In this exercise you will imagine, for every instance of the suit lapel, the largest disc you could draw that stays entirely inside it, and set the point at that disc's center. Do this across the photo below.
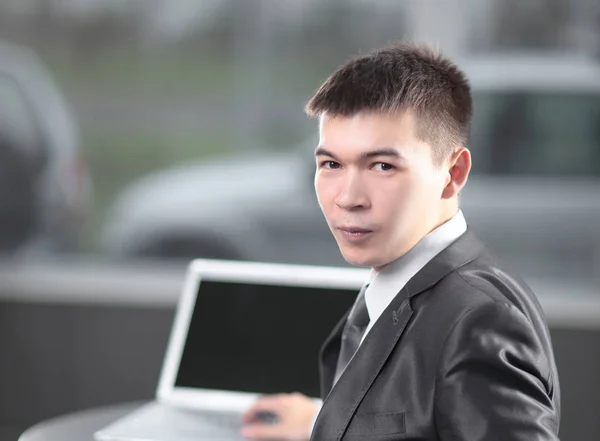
(348, 392)
(462, 251)
(343, 400)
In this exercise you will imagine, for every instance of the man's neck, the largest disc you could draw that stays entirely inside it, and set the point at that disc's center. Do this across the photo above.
(447, 216)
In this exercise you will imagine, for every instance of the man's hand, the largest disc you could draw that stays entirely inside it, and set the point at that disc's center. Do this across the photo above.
(294, 413)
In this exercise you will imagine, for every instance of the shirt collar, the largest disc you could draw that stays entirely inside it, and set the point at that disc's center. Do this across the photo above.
(386, 283)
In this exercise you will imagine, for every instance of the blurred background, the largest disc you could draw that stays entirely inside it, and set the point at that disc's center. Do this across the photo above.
(136, 135)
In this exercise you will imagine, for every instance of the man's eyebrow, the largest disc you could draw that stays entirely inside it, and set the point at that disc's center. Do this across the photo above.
(386, 151)
(321, 151)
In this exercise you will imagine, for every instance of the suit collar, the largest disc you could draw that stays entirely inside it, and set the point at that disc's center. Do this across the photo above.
(462, 251)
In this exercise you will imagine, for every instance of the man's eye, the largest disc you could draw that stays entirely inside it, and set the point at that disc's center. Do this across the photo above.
(330, 164)
(382, 166)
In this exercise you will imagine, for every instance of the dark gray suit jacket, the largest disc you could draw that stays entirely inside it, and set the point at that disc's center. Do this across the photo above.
(461, 353)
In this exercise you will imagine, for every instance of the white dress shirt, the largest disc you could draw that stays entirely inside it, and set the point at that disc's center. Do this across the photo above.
(386, 283)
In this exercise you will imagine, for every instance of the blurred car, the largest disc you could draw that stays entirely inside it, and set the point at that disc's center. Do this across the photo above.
(534, 193)
(45, 189)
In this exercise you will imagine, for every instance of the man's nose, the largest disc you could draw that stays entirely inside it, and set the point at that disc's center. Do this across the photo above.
(352, 193)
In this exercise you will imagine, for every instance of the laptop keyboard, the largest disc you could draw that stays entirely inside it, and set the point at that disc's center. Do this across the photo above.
(201, 423)
(224, 420)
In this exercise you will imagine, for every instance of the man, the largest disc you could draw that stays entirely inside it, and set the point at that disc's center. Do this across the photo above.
(443, 343)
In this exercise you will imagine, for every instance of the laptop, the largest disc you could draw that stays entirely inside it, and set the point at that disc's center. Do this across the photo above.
(241, 330)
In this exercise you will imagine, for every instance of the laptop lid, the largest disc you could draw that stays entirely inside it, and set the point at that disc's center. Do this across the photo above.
(245, 329)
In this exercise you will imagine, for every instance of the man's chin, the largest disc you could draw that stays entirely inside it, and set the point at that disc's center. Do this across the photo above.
(355, 259)
(363, 258)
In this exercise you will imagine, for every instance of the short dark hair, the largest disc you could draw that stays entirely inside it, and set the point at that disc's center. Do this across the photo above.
(398, 78)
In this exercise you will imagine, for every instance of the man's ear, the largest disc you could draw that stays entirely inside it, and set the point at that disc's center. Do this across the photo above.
(458, 166)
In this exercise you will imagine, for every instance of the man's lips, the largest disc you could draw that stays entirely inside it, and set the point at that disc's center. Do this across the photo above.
(354, 230)
(354, 234)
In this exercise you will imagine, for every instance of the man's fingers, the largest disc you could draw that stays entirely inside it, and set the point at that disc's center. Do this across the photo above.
(270, 403)
(293, 413)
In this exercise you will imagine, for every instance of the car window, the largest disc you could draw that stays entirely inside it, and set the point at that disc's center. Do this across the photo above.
(530, 133)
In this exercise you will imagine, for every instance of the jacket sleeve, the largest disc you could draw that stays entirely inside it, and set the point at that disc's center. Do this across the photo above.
(494, 381)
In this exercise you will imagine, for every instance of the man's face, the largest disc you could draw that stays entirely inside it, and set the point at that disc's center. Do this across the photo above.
(377, 185)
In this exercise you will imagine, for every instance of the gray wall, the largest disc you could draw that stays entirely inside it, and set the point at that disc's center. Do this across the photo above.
(61, 358)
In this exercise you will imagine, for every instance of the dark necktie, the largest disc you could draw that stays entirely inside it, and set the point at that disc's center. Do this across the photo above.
(355, 327)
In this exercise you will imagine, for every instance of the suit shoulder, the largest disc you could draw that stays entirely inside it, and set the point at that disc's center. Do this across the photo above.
(486, 280)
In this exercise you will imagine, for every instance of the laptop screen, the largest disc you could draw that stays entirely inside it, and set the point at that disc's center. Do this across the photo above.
(259, 338)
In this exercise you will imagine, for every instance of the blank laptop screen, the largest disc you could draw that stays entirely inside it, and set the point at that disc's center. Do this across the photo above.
(259, 338)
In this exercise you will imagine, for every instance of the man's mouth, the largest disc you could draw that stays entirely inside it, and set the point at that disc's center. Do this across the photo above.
(354, 234)
(355, 230)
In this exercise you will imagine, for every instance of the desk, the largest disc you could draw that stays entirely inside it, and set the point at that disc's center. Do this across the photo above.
(77, 426)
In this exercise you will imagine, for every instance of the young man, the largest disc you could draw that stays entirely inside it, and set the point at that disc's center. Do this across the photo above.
(443, 343)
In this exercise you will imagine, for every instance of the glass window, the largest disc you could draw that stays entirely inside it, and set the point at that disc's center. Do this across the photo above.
(161, 92)
(183, 133)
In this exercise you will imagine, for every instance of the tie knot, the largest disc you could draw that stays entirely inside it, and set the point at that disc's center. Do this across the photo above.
(359, 316)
